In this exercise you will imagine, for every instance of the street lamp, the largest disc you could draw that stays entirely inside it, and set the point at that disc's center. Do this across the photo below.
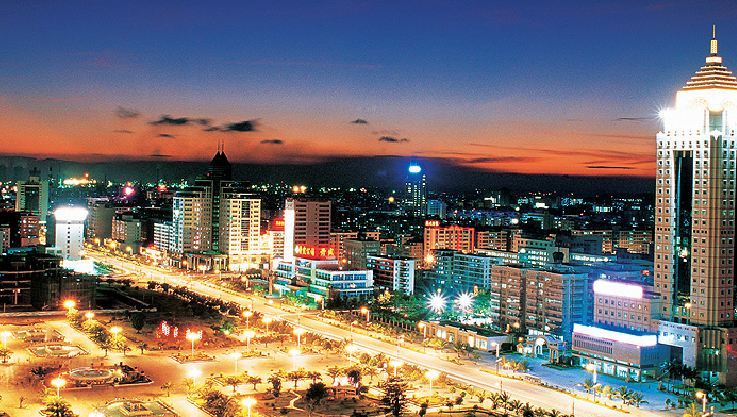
(248, 334)
(248, 403)
(267, 320)
(423, 326)
(299, 332)
(592, 368)
(235, 356)
(464, 301)
(701, 395)
(70, 304)
(5, 335)
(354, 322)
(367, 312)
(115, 331)
(58, 383)
(89, 315)
(294, 353)
(193, 374)
(247, 315)
(350, 348)
(320, 299)
(192, 336)
(436, 303)
(396, 363)
(431, 376)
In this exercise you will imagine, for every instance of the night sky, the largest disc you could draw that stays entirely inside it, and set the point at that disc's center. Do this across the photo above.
(564, 87)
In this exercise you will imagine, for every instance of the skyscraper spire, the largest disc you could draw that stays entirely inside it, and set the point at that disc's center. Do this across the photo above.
(714, 46)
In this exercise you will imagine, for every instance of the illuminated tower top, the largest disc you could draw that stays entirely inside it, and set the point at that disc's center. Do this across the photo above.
(713, 74)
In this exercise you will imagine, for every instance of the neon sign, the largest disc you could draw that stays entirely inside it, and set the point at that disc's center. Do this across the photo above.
(318, 252)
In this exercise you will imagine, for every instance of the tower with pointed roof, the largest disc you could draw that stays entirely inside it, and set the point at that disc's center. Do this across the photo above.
(695, 221)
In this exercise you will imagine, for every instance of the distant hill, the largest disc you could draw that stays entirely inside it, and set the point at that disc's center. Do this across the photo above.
(384, 171)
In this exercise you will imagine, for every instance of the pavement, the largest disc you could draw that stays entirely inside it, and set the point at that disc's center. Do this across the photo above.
(473, 375)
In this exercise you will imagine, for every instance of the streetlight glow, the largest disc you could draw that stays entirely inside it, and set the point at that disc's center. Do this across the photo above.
(58, 383)
(436, 303)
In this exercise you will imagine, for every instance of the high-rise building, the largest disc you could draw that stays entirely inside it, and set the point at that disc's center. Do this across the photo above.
(695, 214)
(33, 196)
(358, 250)
(100, 221)
(416, 186)
(70, 231)
(127, 231)
(306, 225)
(436, 208)
(447, 237)
(393, 273)
(240, 230)
(192, 220)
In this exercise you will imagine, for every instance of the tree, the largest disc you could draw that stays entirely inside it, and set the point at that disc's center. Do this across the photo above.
(296, 376)
(514, 405)
(142, 346)
(253, 380)
(394, 389)
(333, 372)
(527, 410)
(370, 372)
(354, 376)
(233, 381)
(636, 398)
(316, 392)
(588, 385)
(423, 409)
(606, 391)
(5, 354)
(138, 321)
(40, 372)
(166, 386)
(313, 375)
(275, 382)
(56, 407)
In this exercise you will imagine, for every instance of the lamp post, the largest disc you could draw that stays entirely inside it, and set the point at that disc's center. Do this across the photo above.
(431, 376)
(350, 348)
(592, 368)
(192, 336)
(115, 331)
(193, 374)
(248, 335)
(248, 403)
(352, 323)
(294, 353)
(247, 315)
(58, 383)
(5, 335)
(367, 312)
(396, 363)
(423, 326)
(267, 320)
(235, 356)
(299, 332)
(701, 395)
(70, 305)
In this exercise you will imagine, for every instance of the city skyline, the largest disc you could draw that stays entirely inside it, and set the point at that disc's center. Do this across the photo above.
(297, 84)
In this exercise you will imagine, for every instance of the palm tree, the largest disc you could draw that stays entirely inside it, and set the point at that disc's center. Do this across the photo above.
(5, 354)
(514, 405)
(316, 392)
(58, 408)
(142, 346)
(637, 398)
(254, 380)
(370, 372)
(588, 385)
(527, 410)
(334, 372)
(233, 381)
(606, 391)
(623, 394)
(553, 413)
(166, 386)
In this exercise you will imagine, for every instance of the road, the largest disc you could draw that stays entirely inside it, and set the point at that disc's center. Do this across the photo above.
(521, 390)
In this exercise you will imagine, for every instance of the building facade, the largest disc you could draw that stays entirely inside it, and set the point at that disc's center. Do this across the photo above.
(306, 224)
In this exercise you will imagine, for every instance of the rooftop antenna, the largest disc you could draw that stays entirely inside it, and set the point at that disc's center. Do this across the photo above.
(714, 45)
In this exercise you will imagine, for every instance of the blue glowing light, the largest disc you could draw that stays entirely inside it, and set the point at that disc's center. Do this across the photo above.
(415, 169)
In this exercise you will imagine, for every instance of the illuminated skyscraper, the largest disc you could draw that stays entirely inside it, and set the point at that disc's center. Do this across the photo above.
(70, 231)
(695, 214)
(306, 225)
(416, 185)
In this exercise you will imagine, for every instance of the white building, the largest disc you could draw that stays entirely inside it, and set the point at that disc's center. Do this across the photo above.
(163, 236)
(192, 220)
(695, 215)
(240, 231)
(306, 224)
(393, 273)
(70, 231)
(320, 279)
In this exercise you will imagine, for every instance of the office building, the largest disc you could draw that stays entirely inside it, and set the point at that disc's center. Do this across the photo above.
(33, 196)
(240, 230)
(69, 231)
(306, 225)
(456, 272)
(192, 220)
(357, 252)
(100, 220)
(447, 237)
(392, 273)
(416, 191)
(322, 279)
(436, 208)
(694, 218)
(163, 236)
(337, 242)
(126, 229)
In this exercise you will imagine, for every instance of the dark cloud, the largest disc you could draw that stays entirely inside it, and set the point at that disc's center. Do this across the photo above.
(497, 159)
(360, 121)
(160, 155)
(126, 113)
(167, 120)
(272, 142)
(607, 167)
(211, 129)
(123, 131)
(242, 126)
(166, 135)
(632, 119)
(392, 139)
